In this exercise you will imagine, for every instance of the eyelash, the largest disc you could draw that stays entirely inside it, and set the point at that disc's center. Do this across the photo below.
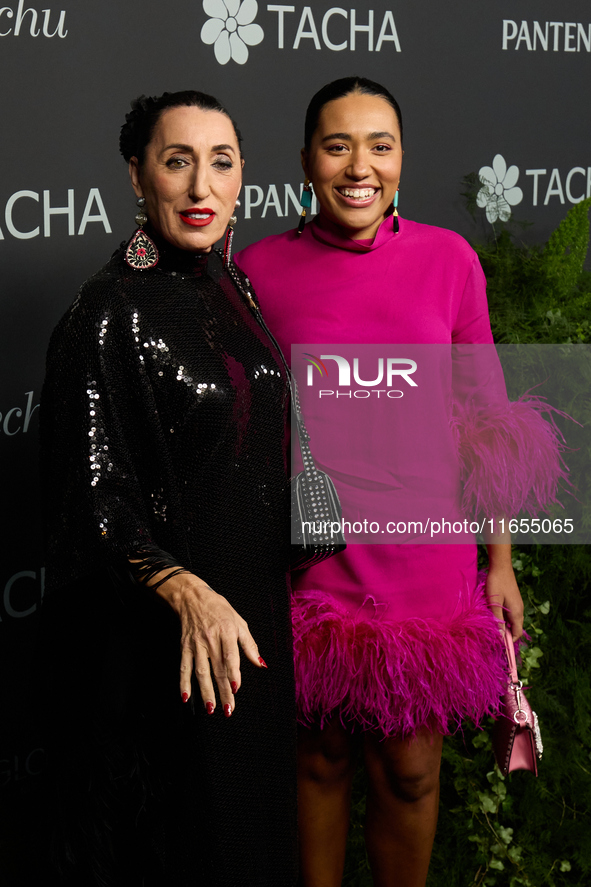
(335, 148)
(223, 164)
(173, 160)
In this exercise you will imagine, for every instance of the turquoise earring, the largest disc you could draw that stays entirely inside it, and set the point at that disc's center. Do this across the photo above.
(306, 204)
(395, 225)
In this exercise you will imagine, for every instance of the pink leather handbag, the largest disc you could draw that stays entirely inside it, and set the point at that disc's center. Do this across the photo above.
(517, 743)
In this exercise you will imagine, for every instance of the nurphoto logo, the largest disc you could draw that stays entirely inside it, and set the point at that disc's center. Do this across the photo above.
(396, 369)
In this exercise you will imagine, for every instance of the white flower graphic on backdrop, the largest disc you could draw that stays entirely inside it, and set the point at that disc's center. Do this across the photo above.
(230, 28)
(498, 192)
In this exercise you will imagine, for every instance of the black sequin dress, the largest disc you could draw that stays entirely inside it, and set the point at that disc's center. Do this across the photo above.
(164, 432)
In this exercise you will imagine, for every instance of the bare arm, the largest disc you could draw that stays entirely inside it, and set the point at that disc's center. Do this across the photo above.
(502, 590)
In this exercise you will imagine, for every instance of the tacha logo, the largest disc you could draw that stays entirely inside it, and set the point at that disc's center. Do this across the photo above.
(24, 208)
(231, 28)
(499, 190)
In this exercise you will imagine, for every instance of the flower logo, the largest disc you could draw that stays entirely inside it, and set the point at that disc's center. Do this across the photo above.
(498, 192)
(230, 28)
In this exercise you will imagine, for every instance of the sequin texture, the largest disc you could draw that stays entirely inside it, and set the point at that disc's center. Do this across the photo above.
(184, 399)
(164, 437)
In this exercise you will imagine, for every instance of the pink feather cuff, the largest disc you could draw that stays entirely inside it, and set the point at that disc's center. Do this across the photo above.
(510, 457)
(396, 677)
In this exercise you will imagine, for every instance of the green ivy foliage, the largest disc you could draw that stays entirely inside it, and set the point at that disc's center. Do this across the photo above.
(537, 294)
(504, 832)
(521, 830)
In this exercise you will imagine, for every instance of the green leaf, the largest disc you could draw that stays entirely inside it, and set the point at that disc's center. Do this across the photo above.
(565, 866)
(530, 657)
(505, 834)
(487, 804)
(514, 853)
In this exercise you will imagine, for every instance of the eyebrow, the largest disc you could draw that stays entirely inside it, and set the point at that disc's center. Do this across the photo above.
(189, 150)
(348, 137)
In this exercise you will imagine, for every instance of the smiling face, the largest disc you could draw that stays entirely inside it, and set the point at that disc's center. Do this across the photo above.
(354, 162)
(191, 177)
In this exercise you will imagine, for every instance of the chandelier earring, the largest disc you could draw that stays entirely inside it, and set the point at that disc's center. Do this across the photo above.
(395, 225)
(141, 253)
(306, 203)
(230, 236)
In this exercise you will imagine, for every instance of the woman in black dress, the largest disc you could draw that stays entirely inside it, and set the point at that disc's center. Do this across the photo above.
(164, 464)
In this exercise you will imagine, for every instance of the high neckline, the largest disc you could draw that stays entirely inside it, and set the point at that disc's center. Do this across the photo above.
(173, 260)
(334, 235)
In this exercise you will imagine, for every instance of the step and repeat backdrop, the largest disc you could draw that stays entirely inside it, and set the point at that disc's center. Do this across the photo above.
(502, 87)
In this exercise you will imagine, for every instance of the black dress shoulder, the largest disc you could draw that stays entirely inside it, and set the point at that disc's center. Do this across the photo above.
(163, 429)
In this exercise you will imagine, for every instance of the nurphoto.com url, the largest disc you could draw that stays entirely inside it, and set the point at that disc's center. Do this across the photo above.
(434, 528)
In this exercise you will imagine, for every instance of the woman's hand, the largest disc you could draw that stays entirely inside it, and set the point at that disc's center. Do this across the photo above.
(211, 630)
(504, 597)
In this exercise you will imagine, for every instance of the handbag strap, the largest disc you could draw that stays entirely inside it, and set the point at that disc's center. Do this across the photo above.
(523, 714)
(510, 650)
(303, 436)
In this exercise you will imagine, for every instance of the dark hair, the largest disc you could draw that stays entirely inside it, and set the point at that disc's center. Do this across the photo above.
(338, 89)
(137, 131)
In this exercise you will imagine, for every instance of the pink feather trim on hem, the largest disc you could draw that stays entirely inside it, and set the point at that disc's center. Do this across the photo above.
(510, 457)
(396, 677)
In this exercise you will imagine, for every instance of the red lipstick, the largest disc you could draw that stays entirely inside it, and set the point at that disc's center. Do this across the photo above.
(197, 216)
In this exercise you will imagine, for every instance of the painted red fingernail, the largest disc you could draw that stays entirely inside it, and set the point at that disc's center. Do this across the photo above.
(263, 663)
(234, 687)
(227, 710)
(209, 708)
(185, 697)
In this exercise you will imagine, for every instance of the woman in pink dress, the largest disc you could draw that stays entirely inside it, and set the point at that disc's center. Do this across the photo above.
(393, 643)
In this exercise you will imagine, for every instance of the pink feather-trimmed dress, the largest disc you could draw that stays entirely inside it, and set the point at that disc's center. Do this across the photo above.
(398, 637)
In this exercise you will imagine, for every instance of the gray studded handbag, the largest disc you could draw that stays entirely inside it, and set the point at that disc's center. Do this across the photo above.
(316, 514)
(316, 525)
